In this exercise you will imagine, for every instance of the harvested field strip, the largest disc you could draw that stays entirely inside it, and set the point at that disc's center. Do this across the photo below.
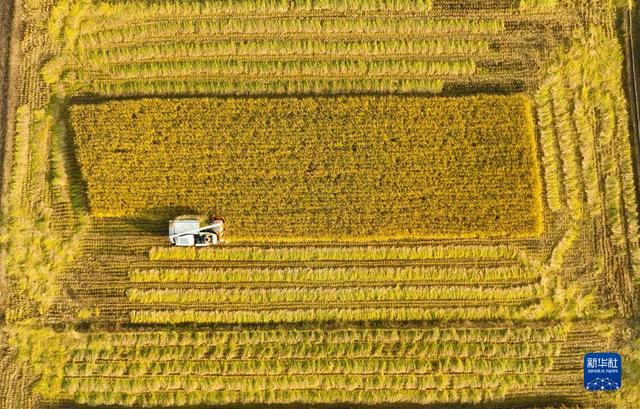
(177, 47)
(550, 150)
(283, 382)
(567, 125)
(413, 62)
(123, 13)
(105, 22)
(329, 366)
(246, 277)
(297, 312)
(581, 126)
(289, 41)
(272, 48)
(328, 84)
(204, 86)
(252, 80)
(307, 310)
(135, 12)
(353, 349)
(587, 106)
(349, 254)
(102, 23)
(132, 13)
(568, 143)
(299, 352)
(123, 263)
(346, 253)
(501, 334)
(335, 305)
(586, 119)
(277, 68)
(498, 45)
(320, 295)
(439, 365)
(481, 60)
(329, 284)
(483, 180)
(300, 25)
(317, 392)
(353, 314)
(93, 22)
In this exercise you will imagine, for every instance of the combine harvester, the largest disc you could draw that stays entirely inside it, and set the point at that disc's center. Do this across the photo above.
(185, 231)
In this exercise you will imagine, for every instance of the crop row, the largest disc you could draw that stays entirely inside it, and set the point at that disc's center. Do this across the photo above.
(327, 366)
(226, 298)
(336, 276)
(286, 395)
(273, 28)
(281, 337)
(306, 349)
(216, 69)
(299, 313)
(293, 48)
(351, 253)
(265, 86)
(273, 383)
(560, 140)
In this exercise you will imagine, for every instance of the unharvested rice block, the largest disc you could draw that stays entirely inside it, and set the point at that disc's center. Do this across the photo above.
(317, 168)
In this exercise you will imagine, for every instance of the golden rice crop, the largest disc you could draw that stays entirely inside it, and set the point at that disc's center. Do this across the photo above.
(341, 167)
(140, 48)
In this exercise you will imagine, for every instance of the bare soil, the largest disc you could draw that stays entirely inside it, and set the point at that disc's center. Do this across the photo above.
(6, 17)
(8, 47)
(631, 24)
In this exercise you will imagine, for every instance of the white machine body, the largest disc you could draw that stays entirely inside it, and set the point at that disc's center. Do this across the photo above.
(189, 233)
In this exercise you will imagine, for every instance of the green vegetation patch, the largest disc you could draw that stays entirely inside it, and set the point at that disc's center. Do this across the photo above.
(298, 168)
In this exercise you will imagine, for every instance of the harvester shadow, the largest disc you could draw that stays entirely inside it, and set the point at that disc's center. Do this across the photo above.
(154, 220)
(77, 184)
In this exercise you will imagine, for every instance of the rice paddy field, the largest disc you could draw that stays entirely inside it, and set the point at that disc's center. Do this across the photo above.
(427, 204)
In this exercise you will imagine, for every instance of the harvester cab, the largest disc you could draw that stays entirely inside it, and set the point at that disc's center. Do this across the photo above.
(187, 232)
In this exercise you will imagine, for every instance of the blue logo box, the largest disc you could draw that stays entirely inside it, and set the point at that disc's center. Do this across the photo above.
(602, 371)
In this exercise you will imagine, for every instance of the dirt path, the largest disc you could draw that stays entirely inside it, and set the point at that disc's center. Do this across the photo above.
(9, 36)
(631, 23)
(631, 37)
(6, 17)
